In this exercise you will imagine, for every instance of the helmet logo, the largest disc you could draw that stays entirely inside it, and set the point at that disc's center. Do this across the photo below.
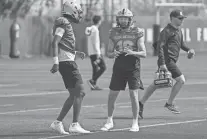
(123, 11)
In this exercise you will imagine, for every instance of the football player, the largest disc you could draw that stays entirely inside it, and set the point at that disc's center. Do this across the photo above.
(126, 45)
(64, 60)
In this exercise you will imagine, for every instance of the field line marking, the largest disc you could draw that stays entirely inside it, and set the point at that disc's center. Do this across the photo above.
(97, 105)
(144, 126)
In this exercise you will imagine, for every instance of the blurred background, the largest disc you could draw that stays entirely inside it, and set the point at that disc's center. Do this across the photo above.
(33, 20)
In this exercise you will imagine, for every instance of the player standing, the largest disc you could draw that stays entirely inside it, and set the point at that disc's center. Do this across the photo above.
(64, 60)
(126, 45)
(169, 45)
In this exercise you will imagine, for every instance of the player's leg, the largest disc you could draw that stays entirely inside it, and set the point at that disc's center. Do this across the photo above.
(102, 68)
(180, 80)
(76, 89)
(111, 106)
(99, 67)
(134, 83)
(66, 107)
(65, 71)
(92, 82)
(117, 83)
(79, 94)
(135, 109)
(149, 91)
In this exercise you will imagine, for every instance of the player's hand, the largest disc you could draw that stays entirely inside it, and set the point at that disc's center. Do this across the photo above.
(80, 54)
(191, 53)
(55, 68)
(128, 51)
(163, 68)
(116, 54)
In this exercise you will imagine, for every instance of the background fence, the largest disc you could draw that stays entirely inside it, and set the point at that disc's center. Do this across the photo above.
(36, 34)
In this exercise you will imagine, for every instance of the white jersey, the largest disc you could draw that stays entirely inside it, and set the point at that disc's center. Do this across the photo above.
(93, 40)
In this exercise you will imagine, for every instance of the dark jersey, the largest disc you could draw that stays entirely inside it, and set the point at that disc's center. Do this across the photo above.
(67, 42)
(169, 45)
(126, 39)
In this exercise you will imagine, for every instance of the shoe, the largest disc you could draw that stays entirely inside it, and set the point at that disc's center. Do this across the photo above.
(58, 126)
(141, 108)
(134, 128)
(91, 84)
(96, 88)
(76, 128)
(172, 108)
(107, 126)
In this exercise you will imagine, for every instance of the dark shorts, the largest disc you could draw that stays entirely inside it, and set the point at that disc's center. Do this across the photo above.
(120, 78)
(70, 74)
(173, 68)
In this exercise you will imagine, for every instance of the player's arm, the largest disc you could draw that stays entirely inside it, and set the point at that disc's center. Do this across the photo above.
(161, 44)
(141, 48)
(111, 52)
(59, 32)
(183, 45)
(190, 52)
(110, 49)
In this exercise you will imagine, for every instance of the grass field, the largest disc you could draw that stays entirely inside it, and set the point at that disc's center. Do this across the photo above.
(31, 98)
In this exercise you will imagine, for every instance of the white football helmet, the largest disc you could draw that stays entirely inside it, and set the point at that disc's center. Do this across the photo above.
(72, 9)
(124, 13)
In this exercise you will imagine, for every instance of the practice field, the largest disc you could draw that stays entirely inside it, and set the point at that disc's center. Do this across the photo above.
(31, 98)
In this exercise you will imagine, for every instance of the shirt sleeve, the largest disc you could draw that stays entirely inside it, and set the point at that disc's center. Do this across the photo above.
(59, 31)
(183, 45)
(161, 44)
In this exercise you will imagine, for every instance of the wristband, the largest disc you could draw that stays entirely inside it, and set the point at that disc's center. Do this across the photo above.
(55, 60)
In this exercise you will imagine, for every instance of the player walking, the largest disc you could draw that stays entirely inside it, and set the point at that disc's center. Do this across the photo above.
(64, 60)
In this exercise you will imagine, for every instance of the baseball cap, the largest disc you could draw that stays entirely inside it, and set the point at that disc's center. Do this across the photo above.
(177, 13)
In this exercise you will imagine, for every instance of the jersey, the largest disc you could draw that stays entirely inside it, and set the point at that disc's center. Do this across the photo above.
(93, 40)
(126, 39)
(67, 42)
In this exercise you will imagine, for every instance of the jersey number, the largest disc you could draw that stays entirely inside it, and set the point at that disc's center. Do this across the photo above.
(124, 44)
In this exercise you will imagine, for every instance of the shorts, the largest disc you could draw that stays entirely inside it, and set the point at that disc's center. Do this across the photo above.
(120, 78)
(70, 74)
(173, 68)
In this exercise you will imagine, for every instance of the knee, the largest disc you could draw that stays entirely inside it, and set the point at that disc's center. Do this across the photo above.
(103, 68)
(133, 93)
(181, 79)
(113, 95)
(78, 91)
(80, 94)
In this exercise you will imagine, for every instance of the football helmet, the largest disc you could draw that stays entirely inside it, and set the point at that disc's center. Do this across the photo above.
(73, 10)
(124, 13)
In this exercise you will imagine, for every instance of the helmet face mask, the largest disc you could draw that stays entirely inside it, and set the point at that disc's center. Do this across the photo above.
(73, 11)
(124, 22)
(124, 18)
